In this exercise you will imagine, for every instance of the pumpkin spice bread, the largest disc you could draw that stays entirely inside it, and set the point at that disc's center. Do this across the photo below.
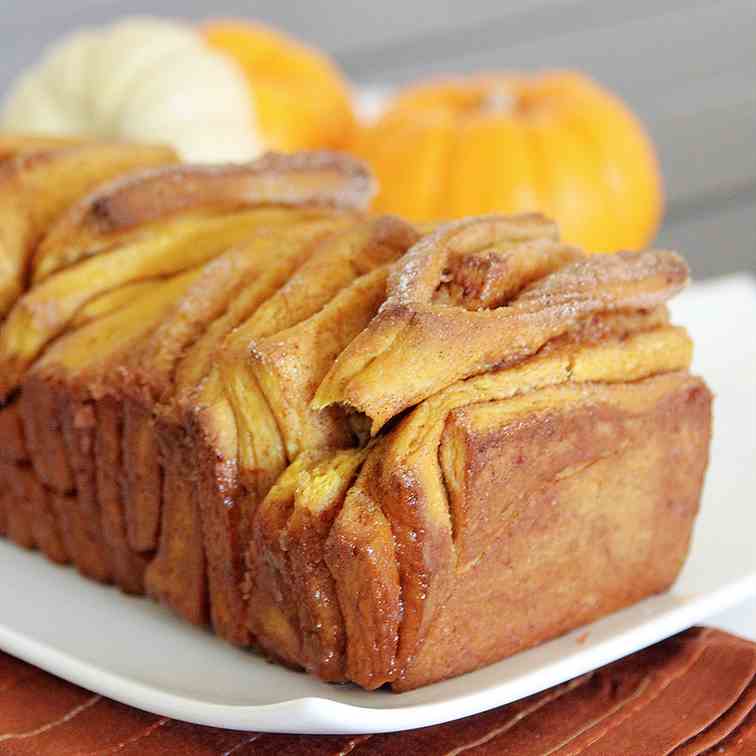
(353, 443)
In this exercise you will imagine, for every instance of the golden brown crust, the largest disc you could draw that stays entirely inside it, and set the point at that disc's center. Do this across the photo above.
(16, 510)
(127, 564)
(275, 261)
(60, 404)
(157, 224)
(176, 574)
(324, 179)
(524, 489)
(142, 477)
(341, 283)
(169, 367)
(406, 484)
(178, 246)
(14, 145)
(416, 346)
(224, 517)
(79, 426)
(272, 608)
(12, 440)
(183, 345)
(306, 180)
(261, 263)
(34, 501)
(293, 611)
(202, 359)
(290, 365)
(40, 405)
(361, 557)
(241, 431)
(36, 186)
(478, 263)
(104, 359)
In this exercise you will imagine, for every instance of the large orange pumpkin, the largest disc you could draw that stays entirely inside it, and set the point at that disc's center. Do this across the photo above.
(555, 142)
(301, 99)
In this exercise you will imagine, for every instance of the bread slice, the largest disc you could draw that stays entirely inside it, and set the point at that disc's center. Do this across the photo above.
(423, 340)
(27, 513)
(240, 427)
(60, 404)
(614, 473)
(39, 185)
(162, 463)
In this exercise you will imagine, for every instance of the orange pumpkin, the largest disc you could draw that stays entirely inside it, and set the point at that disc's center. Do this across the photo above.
(301, 99)
(555, 142)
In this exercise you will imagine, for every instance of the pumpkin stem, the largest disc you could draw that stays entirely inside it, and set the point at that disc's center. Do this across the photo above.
(499, 100)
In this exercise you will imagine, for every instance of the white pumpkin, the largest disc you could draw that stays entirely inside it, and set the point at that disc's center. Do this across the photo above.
(143, 79)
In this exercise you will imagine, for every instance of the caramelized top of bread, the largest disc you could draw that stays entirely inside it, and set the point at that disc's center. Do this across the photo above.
(38, 185)
(156, 224)
(270, 366)
(89, 351)
(309, 325)
(104, 218)
(440, 323)
(13, 145)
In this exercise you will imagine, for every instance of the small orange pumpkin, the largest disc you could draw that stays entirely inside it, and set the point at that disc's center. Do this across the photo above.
(302, 100)
(555, 142)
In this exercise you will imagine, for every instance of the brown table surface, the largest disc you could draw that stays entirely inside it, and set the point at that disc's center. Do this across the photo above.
(694, 693)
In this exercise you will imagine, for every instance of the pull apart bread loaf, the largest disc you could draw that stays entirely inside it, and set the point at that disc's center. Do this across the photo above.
(382, 453)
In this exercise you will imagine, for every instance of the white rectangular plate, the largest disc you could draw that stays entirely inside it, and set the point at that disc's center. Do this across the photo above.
(133, 651)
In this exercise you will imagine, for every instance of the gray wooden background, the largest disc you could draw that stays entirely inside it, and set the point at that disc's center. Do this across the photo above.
(688, 68)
